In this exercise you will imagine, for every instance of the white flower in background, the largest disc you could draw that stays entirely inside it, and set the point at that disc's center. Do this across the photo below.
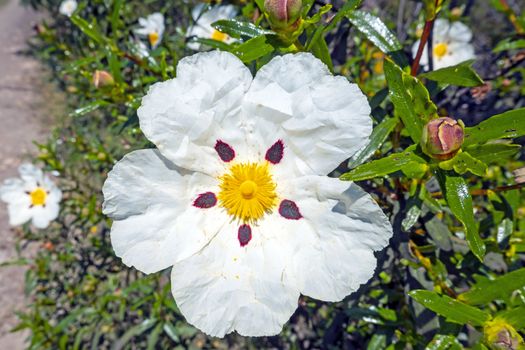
(33, 196)
(202, 27)
(152, 27)
(236, 196)
(450, 45)
(67, 7)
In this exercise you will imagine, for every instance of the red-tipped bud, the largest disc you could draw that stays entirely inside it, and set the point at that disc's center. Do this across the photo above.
(282, 14)
(101, 78)
(442, 138)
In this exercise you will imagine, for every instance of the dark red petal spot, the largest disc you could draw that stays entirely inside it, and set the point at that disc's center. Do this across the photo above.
(244, 234)
(274, 154)
(225, 151)
(205, 200)
(289, 210)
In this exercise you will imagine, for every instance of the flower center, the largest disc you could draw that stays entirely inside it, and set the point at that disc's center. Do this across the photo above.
(440, 49)
(38, 196)
(216, 35)
(247, 192)
(153, 38)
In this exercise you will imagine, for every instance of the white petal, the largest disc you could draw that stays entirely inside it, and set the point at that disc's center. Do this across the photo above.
(12, 190)
(335, 256)
(30, 173)
(460, 32)
(440, 30)
(19, 213)
(185, 116)
(42, 216)
(322, 119)
(151, 201)
(226, 287)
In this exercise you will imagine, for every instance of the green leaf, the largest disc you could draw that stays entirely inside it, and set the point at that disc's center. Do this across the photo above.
(379, 135)
(236, 28)
(510, 124)
(153, 337)
(451, 309)
(215, 44)
(456, 193)
(493, 152)
(90, 107)
(384, 166)
(253, 49)
(410, 98)
(460, 75)
(489, 290)
(90, 29)
(444, 342)
(510, 44)
(464, 162)
(133, 332)
(516, 317)
(378, 342)
(378, 33)
(320, 50)
(171, 331)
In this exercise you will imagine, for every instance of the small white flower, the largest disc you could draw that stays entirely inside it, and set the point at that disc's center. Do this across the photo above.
(152, 27)
(67, 7)
(236, 196)
(202, 27)
(450, 43)
(32, 196)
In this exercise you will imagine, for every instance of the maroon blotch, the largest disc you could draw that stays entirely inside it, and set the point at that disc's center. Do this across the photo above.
(205, 200)
(225, 151)
(274, 154)
(244, 234)
(289, 210)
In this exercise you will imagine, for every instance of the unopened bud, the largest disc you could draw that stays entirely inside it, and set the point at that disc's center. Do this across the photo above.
(519, 175)
(500, 335)
(283, 14)
(442, 138)
(102, 78)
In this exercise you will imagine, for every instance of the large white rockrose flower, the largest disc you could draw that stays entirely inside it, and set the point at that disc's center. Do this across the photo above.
(67, 7)
(33, 196)
(152, 27)
(450, 45)
(202, 27)
(236, 197)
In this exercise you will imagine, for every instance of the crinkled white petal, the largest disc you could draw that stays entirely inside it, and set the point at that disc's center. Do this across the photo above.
(151, 201)
(12, 190)
(459, 32)
(322, 119)
(185, 116)
(226, 287)
(19, 213)
(342, 226)
(67, 7)
(43, 215)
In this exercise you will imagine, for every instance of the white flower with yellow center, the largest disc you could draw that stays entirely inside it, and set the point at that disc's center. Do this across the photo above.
(152, 27)
(67, 7)
(450, 45)
(236, 197)
(202, 27)
(33, 196)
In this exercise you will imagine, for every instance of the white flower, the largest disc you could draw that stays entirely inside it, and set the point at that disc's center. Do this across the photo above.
(450, 43)
(236, 198)
(152, 27)
(32, 196)
(202, 27)
(67, 7)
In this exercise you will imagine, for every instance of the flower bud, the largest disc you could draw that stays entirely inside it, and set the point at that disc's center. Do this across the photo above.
(442, 138)
(102, 78)
(500, 335)
(282, 14)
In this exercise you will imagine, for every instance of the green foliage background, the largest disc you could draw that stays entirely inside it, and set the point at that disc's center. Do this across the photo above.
(460, 256)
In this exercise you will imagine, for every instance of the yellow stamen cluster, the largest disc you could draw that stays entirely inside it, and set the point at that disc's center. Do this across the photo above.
(216, 35)
(440, 50)
(247, 192)
(38, 196)
(153, 38)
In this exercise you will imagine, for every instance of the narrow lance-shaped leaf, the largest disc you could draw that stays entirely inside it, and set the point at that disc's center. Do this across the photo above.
(516, 317)
(410, 98)
(453, 310)
(493, 152)
(458, 198)
(499, 288)
(236, 29)
(253, 48)
(384, 166)
(460, 75)
(510, 124)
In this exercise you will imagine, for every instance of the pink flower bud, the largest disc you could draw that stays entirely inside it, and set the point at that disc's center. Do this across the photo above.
(442, 138)
(282, 14)
(102, 78)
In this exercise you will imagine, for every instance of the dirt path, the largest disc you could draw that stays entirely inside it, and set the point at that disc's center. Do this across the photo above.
(21, 120)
